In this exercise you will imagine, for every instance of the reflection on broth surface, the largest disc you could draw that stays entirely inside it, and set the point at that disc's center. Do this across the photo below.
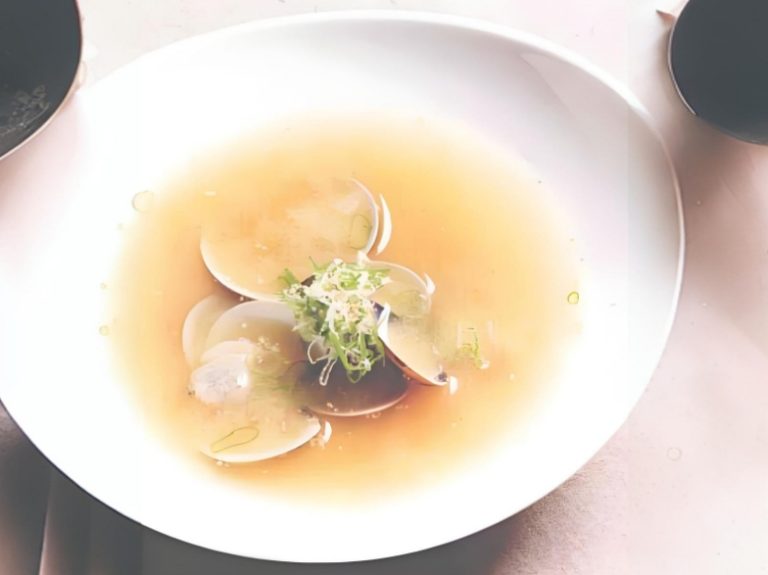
(465, 217)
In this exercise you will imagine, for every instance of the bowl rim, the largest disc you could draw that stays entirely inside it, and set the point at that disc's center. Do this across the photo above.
(459, 23)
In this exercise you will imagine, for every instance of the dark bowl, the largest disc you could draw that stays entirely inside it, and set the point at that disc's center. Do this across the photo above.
(40, 46)
(718, 56)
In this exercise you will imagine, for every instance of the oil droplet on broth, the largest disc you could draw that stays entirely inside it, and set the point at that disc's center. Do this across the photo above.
(143, 201)
(103, 286)
(573, 298)
(104, 330)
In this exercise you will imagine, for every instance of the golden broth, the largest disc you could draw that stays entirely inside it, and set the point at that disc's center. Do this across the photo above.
(472, 218)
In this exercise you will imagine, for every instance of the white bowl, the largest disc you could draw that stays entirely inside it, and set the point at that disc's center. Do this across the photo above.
(62, 195)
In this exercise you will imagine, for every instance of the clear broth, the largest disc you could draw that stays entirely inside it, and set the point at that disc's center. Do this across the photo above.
(472, 217)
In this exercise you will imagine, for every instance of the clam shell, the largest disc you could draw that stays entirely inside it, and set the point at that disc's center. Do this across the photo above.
(255, 418)
(225, 380)
(198, 323)
(254, 321)
(404, 305)
(339, 219)
(267, 430)
(382, 388)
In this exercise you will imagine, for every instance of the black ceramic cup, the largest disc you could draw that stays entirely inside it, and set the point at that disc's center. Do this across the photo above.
(718, 56)
(40, 46)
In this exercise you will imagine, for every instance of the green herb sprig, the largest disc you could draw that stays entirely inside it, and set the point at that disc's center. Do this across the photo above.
(469, 349)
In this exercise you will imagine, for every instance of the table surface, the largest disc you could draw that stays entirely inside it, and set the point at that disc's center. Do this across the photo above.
(681, 488)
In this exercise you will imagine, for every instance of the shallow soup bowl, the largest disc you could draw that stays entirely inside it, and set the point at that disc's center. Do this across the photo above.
(586, 136)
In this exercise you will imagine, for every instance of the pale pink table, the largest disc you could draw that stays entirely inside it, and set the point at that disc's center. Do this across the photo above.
(682, 488)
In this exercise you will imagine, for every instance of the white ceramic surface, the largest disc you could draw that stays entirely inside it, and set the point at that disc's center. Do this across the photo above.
(586, 137)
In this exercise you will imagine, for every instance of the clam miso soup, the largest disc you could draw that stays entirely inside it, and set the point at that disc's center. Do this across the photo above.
(341, 308)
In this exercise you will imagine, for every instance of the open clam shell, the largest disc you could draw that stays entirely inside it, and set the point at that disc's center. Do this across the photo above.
(263, 323)
(247, 380)
(404, 326)
(224, 380)
(380, 389)
(407, 294)
(331, 218)
(411, 348)
(198, 323)
(264, 430)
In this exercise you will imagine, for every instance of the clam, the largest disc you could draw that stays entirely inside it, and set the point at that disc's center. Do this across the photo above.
(199, 321)
(410, 346)
(247, 380)
(264, 429)
(240, 346)
(405, 327)
(404, 296)
(385, 234)
(225, 380)
(328, 218)
(406, 293)
(268, 325)
(380, 389)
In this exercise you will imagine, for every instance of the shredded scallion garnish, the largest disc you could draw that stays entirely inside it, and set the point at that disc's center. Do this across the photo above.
(336, 317)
